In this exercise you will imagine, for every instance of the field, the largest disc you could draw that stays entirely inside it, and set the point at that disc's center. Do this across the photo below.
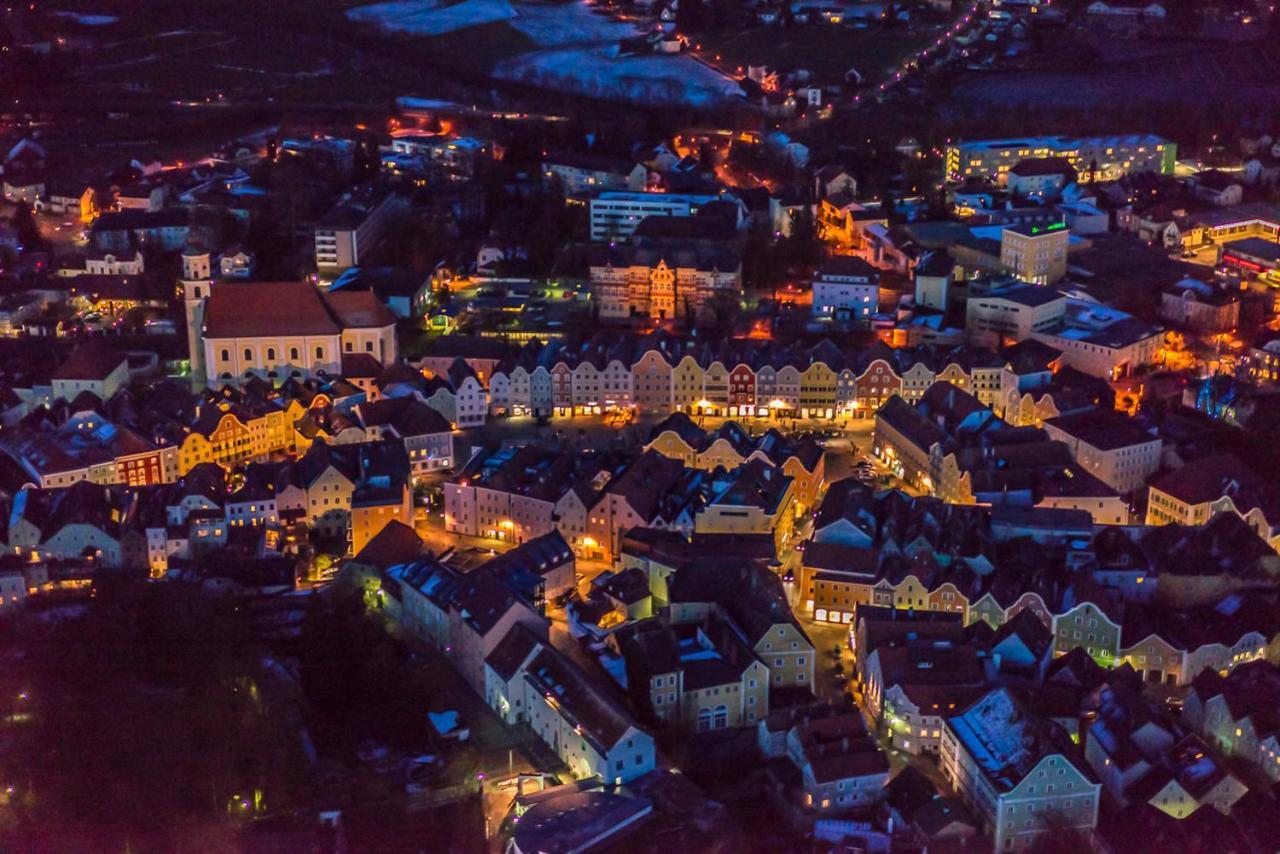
(565, 47)
(1179, 73)
(827, 52)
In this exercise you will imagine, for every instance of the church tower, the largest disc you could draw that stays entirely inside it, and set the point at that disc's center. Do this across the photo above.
(197, 281)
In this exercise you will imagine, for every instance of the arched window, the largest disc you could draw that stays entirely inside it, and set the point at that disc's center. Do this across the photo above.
(226, 355)
(319, 352)
(271, 354)
(293, 354)
(722, 717)
(704, 720)
(248, 354)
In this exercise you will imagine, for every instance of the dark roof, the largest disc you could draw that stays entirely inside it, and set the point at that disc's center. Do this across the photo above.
(395, 543)
(848, 265)
(258, 309)
(1104, 429)
(512, 651)
(603, 720)
(1209, 479)
(93, 360)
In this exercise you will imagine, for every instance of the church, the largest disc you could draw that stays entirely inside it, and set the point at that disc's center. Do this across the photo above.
(276, 330)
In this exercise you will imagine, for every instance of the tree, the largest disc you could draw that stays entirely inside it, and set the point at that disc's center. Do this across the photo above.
(24, 223)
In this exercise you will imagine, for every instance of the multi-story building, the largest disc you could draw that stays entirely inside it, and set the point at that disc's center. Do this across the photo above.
(584, 173)
(1035, 253)
(1013, 312)
(1110, 446)
(698, 677)
(663, 280)
(1201, 489)
(1018, 773)
(615, 215)
(1101, 341)
(274, 330)
(1099, 158)
(345, 235)
(846, 288)
(1237, 713)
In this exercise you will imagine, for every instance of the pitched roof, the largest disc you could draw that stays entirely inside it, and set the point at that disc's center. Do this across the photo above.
(93, 360)
(262, 309)
(395, 543)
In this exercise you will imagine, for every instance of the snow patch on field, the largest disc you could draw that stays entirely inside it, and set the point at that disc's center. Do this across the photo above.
(88, 20)
(432, 18)
(549, 25)
(600, 73)
(579, 50)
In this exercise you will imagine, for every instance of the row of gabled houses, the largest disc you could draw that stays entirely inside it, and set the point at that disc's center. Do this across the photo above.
(594, 499)
(346, 493)
(657, 374)
(1169, 601)
(1032, 741)
(116, 438)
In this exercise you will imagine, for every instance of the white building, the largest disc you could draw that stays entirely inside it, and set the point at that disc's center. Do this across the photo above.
(275, 330)
(1101, 341)
(583, 173)
(1014, 311)
(527, 681)
(615, 215)
(1095, 158)
(1109, 446)
(846, 288)
(353, 227)
(1013, 771)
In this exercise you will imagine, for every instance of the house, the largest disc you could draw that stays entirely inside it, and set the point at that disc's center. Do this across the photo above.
(236, 263)
(1238, 713)
(592, 734)
(427, 436)
(105, 262)
(1008, 765)
(93, 367)
(464, 615)
(1217, 188)
(841, 766)
(1044, 177)
(23, 188)
(582, 173)
(752, 596)
(1199, 490)
(1126, 10)
(1200, 307)
(1110, 446)
(528, 682)
(82, 520)
(699, 677)
(122, 231)
(846, 288)
(912, 686)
